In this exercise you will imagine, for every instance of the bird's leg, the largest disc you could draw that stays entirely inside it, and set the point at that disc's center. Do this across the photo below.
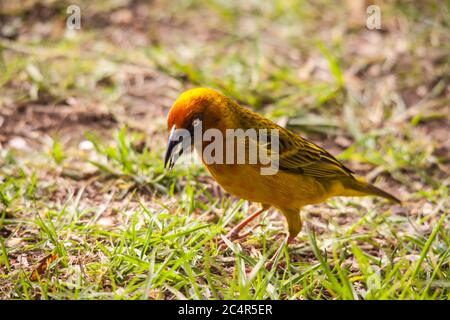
(294, 227)
(234, 233)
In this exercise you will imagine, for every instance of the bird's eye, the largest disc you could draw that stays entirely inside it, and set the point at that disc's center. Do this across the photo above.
(196, 122)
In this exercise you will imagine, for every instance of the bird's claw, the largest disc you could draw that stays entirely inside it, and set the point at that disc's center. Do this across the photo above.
(269, 264)
(234, 236)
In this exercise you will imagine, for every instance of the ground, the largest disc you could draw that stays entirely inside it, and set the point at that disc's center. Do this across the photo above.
(88, 212)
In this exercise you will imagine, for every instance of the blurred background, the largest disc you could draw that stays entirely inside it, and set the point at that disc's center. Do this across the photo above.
(85, 87)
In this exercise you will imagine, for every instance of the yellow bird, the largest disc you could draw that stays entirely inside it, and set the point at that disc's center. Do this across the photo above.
(307, 174)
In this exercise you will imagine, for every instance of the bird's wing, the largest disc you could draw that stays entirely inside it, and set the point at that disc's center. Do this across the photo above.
(296, 154)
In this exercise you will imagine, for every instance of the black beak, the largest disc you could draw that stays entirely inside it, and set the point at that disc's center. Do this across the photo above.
(173, 149)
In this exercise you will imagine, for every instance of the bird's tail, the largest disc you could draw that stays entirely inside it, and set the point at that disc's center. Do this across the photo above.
(358, 187)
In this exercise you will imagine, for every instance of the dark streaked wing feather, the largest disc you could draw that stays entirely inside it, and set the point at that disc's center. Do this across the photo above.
(297, 155)
(304, 157)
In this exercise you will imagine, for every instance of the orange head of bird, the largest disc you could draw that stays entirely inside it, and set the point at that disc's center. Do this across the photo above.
(194, 106)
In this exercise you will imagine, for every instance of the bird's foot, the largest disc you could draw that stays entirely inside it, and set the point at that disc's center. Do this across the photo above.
(274, 259)
(234, 236)
(269, 264)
